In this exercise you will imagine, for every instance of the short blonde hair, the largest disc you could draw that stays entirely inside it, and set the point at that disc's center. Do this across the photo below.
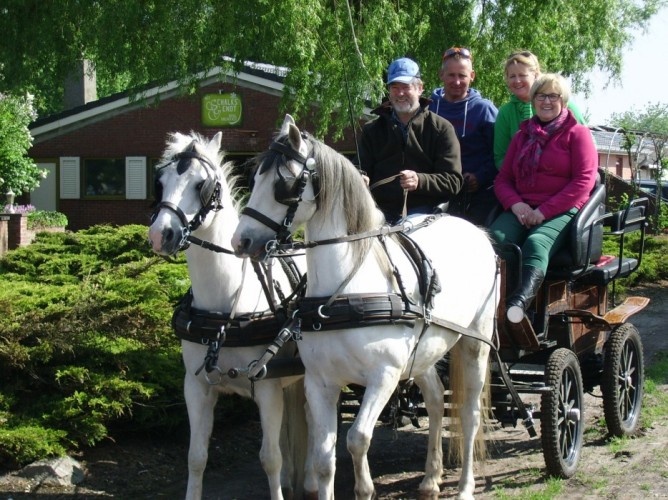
(555, 81)
(523, 57)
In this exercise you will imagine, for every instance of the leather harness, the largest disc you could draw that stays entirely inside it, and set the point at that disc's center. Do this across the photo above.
(203, 327)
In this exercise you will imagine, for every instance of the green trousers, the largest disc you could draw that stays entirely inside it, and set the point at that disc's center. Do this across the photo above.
(539, 243)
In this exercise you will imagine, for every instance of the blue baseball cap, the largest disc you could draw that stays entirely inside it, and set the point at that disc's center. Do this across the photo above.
(403, 70)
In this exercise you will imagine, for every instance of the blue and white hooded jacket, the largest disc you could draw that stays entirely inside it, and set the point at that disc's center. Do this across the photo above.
(473, 119)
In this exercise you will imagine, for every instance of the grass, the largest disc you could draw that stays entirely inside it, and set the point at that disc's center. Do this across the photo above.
(552, 488)
(618, 444)
(655, 409)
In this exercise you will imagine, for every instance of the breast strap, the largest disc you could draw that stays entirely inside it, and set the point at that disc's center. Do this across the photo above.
(356, 310)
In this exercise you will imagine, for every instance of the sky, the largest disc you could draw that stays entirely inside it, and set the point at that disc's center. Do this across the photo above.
(644, 77)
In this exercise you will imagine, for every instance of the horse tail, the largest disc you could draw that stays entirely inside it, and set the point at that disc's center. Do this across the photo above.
(459, 384)
(296, 430)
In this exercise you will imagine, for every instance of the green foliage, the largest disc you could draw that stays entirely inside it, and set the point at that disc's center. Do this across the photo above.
(17, 172)
(642, 129)
(40, 219)
(27, 443)
(85, 341)
(654, 265)
(334, 52)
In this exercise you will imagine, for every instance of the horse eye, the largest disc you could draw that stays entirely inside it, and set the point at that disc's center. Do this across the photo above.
(199, 186)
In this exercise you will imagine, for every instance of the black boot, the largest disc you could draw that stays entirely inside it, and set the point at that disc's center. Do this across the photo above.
(517, 304)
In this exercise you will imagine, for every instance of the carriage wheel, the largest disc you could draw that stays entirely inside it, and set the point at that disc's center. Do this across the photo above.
(622, 381)
(562, 414)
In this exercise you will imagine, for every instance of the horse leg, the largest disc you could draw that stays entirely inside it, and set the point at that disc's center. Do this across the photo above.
(376, 396)
(294, 442)
(200, 400)
(322, 422)
(269, 398)
(310, 474)
(469, 383)
(432, 392)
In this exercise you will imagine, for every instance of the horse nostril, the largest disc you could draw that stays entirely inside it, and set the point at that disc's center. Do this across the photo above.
(169, 235)
(244, 245)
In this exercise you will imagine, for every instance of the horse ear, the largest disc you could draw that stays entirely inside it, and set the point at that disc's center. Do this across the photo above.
(295, 137)
(217, 140)
(287, 121)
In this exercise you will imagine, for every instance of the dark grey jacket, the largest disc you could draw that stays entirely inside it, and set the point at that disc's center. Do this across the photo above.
(431, 149)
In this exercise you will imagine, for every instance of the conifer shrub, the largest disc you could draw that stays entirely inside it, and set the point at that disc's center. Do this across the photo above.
(86, 345)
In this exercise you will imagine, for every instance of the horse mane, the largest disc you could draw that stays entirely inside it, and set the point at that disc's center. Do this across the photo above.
(342, 186)
(178, 142)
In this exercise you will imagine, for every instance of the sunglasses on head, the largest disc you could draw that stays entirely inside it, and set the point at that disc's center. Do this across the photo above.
(457, 51)
(523, 53)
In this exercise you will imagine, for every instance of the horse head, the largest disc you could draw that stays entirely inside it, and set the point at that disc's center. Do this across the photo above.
(284, 192)
(190, 186)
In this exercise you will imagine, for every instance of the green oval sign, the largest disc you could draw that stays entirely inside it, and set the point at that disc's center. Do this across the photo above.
(221, 110)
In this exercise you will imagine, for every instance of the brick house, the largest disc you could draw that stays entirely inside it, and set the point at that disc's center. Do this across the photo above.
(101, 154)
(613, 158)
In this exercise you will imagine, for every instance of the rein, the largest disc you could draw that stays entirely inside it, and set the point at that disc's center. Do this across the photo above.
(386, 180)
(405, 227)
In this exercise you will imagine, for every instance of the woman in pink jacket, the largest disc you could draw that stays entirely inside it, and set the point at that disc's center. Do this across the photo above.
(546, 177)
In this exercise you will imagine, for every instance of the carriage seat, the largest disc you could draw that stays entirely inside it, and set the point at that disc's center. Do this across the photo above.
(585, 245)
(611, 267)
(583, 258)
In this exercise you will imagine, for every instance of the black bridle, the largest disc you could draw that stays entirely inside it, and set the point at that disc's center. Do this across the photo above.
(210, 197)
(286, 192)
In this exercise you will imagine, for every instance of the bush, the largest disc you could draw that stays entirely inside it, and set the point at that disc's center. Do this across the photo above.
(25, 444)
(41, 219)
(86, 345)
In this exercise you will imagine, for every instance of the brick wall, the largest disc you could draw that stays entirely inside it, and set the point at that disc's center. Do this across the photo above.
(143, 132)
(17, 231)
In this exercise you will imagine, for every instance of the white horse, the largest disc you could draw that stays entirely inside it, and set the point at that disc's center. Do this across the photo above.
(335, 205)
(196, 194)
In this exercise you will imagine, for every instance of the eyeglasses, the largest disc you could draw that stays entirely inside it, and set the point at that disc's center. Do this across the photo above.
(457, 51)
(549, 97)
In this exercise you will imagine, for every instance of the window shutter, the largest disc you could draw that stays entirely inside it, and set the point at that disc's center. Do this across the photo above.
(70, 172)
(135, 177)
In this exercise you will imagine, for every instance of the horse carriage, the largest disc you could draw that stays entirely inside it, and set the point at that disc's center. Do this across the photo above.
(385, 304)
(571, 341)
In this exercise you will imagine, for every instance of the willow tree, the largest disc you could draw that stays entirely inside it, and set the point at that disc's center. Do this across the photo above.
(336, 51)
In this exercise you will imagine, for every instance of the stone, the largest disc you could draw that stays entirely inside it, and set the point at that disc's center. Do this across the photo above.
(59, 471)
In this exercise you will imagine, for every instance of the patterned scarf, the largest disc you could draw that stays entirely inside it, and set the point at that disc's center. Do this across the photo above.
(539, 134)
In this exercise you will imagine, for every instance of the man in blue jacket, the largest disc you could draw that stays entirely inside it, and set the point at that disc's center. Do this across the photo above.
(473, 118)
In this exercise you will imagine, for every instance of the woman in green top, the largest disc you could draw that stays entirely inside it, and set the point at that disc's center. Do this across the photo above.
(521, 70)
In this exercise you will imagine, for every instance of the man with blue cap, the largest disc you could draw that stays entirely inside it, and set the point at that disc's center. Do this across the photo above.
(410, 155)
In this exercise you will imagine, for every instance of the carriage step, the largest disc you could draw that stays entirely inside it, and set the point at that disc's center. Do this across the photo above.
(626, 309)
(522, 335)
